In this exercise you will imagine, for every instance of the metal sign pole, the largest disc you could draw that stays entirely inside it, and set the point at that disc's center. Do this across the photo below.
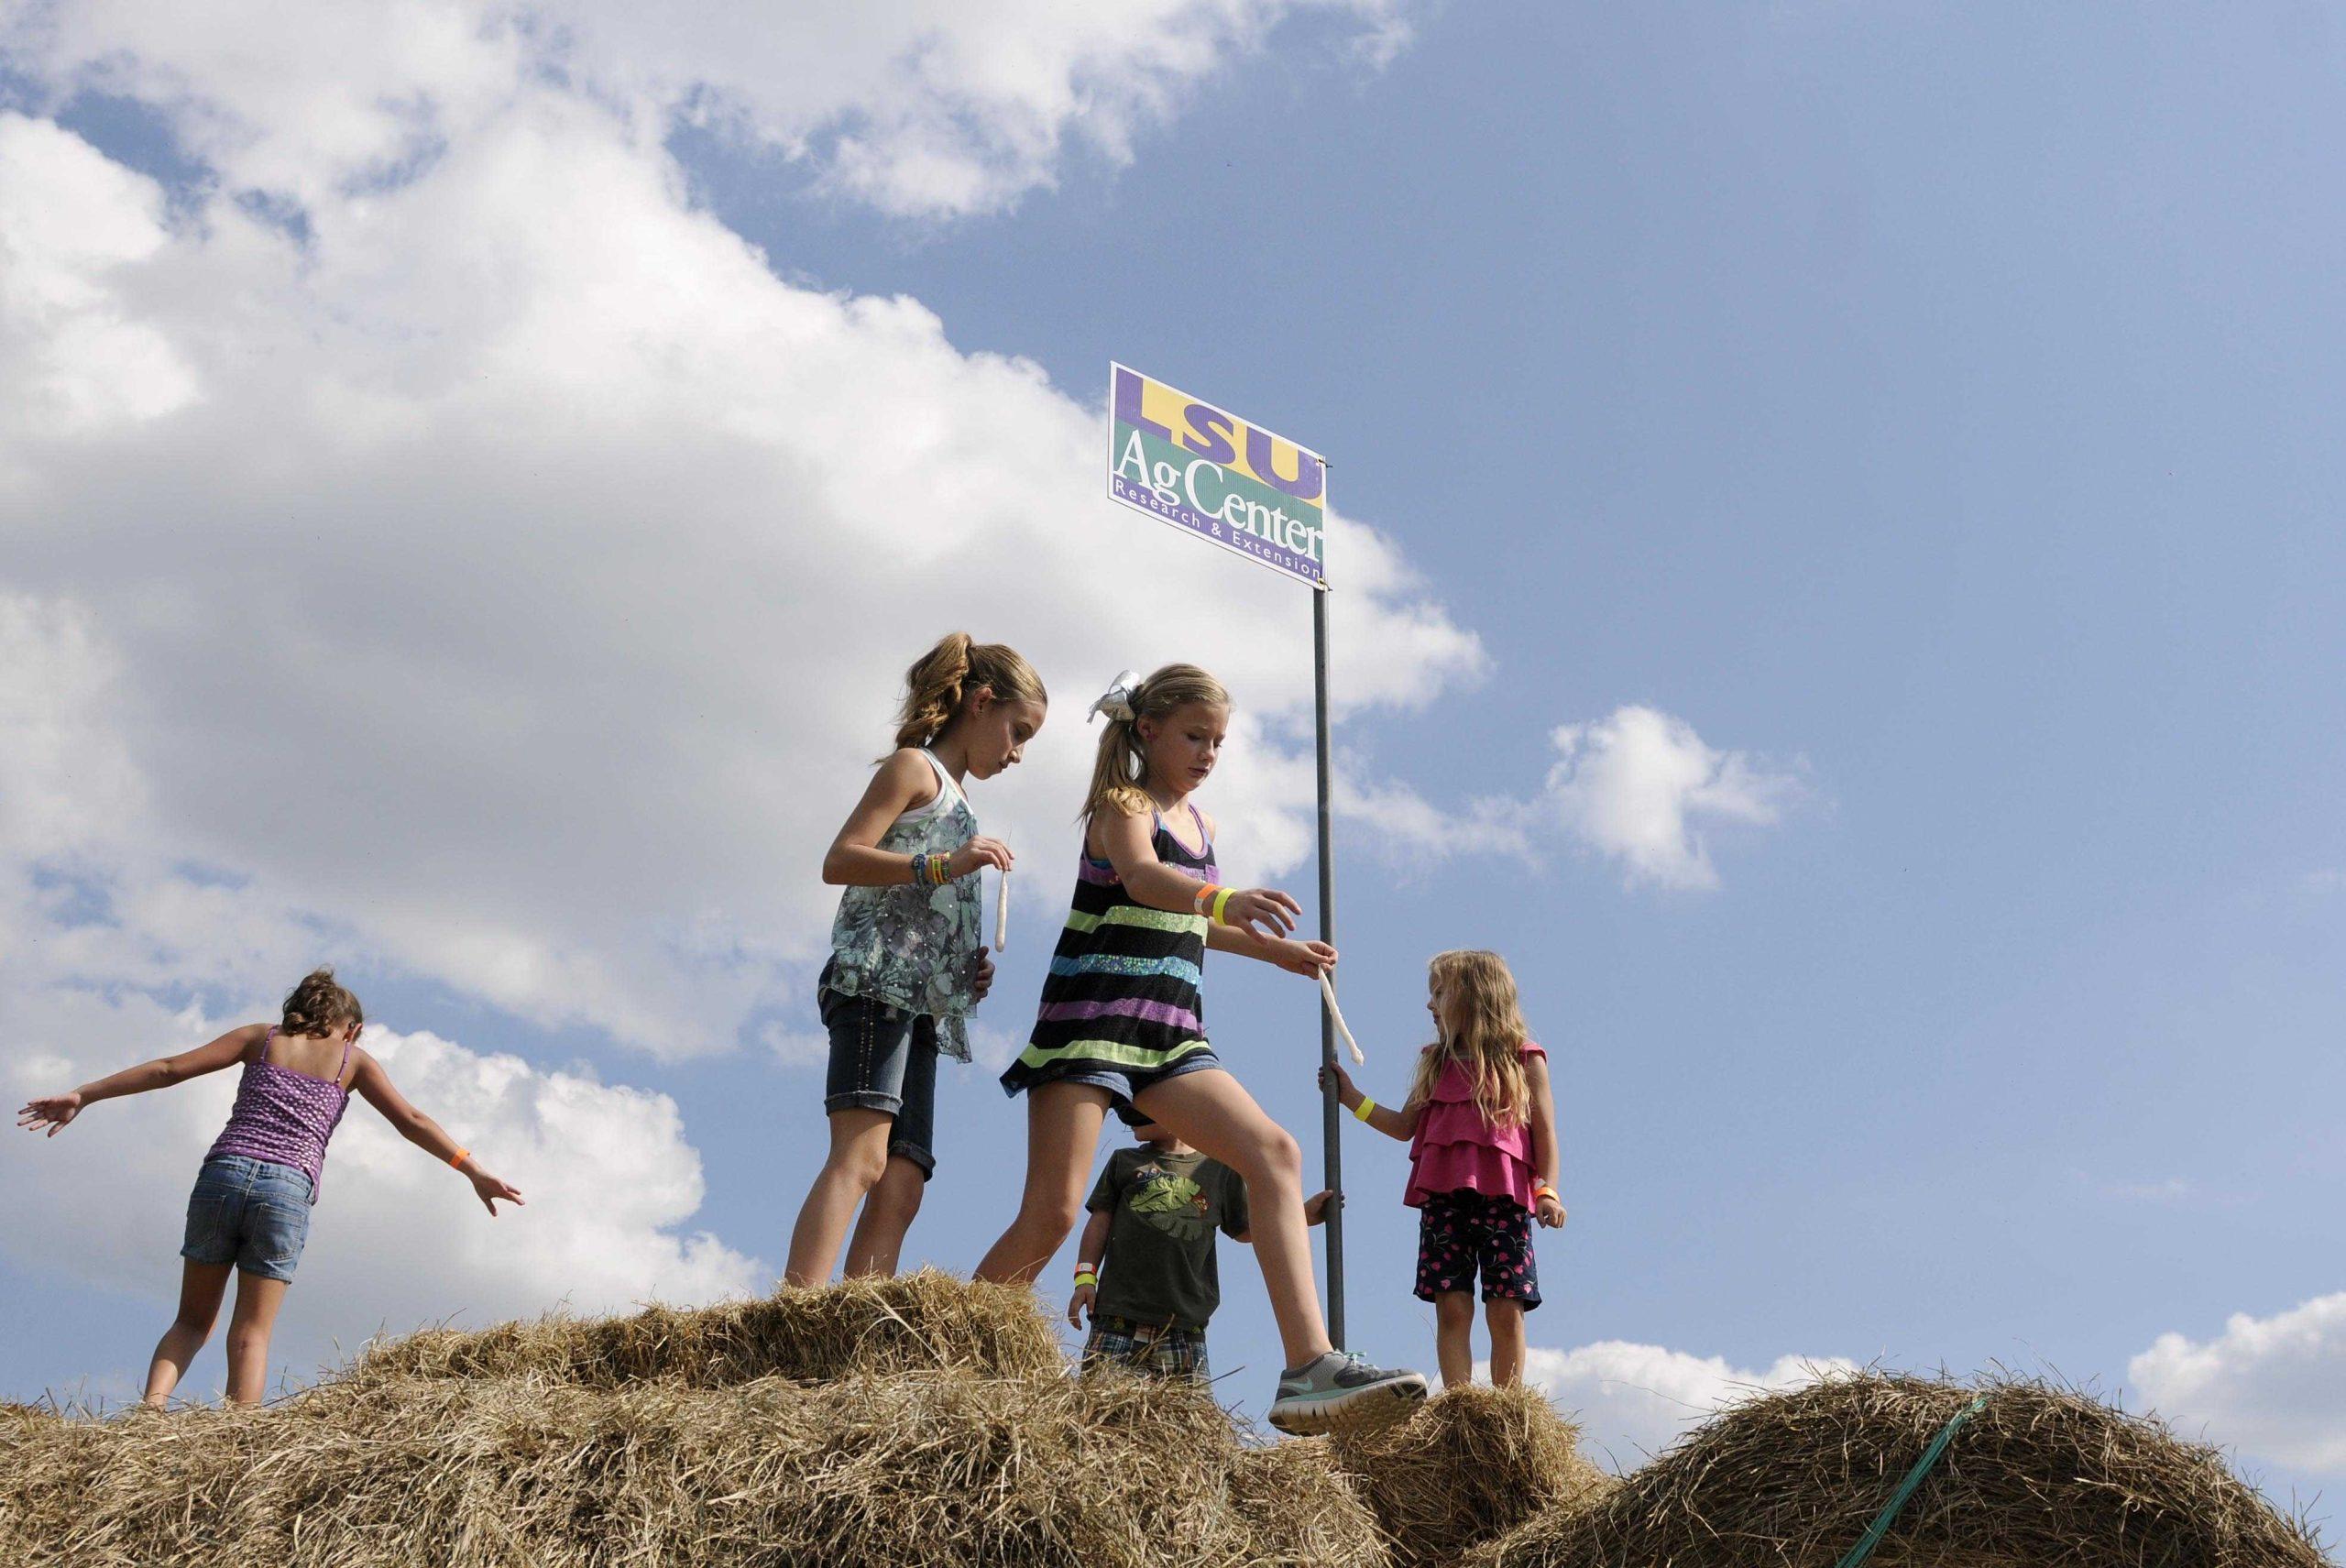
(1332, 1114)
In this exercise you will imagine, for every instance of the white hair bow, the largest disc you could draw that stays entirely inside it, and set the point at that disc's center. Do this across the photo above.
(1116, 702)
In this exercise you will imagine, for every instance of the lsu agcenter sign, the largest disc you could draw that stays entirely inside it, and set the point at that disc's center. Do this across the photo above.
(1186, 462)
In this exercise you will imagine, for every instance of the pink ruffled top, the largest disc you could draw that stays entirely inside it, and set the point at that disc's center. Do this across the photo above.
(1455, 1149)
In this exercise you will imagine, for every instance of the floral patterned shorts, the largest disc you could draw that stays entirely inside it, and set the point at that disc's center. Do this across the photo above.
(1162, 1350)
(1459, 1232)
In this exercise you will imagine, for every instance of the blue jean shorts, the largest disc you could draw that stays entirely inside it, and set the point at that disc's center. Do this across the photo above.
(883, 1058)
(250, 1212)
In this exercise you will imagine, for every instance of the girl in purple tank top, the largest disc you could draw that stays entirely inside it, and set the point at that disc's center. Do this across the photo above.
(250, 1209)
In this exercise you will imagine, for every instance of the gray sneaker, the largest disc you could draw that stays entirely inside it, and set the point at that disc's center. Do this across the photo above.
(1340, 1392)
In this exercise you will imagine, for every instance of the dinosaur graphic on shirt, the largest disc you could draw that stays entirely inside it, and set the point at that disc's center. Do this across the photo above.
(1174, 1204)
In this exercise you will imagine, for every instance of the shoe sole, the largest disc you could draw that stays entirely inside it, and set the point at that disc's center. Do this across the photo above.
(1367, 1411)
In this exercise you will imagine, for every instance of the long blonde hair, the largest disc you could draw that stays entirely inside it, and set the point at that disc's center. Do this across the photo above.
(945, 677)
(1485, 1035)
(1120, 771)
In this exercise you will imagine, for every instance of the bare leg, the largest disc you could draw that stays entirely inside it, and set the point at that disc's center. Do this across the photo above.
(1454, 1337)
(1506, 1319)
(1212, 1110)
(249, 1326)
(201, 1287)
(888, 1212)
(858, 1157)
(1062, 1134)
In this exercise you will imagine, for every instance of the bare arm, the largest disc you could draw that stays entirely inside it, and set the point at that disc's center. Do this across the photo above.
(1091, 1250)
(1124, 840)
(1401, 1123)
(1545, 1154)
(371, 1083)
(52, 1111)
(900, 784)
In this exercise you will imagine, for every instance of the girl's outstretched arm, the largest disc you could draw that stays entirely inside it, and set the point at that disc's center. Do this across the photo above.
(372, 1084)
(1394, 1124)
(52, 1111)
(902, 782)
(1550, 1208)
(1124, 840)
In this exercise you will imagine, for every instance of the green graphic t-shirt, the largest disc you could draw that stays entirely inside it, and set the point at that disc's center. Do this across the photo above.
(1160, 1260)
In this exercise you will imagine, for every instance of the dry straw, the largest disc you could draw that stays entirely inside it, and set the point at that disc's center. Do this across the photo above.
(545, 1451)
(2044, 1476)
(1470, 1464)
(919, 1322)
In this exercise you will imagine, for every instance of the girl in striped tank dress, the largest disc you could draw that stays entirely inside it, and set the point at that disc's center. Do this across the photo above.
(1122, 1025)
(250, 1209)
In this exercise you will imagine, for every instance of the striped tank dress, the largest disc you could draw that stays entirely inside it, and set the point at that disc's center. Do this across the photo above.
(1122, 1003)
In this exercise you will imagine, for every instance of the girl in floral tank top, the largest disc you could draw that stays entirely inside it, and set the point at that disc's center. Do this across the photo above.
(906, 962)
(1480, 1121)
(250, 1209)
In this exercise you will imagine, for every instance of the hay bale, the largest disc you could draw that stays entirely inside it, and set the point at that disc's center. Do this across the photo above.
(920, 1322)
(2044, 1475)
(943, 1468)
(1468, 1465)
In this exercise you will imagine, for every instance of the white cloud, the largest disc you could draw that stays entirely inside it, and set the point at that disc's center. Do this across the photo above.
(1635, 1400)
(75, 233)
(398, 1239)
(2275, 1388)
(505, 580)
(920, 107)
(1639, 784)
(573, 572)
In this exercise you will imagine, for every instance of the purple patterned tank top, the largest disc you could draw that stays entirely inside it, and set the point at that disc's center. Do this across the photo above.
(283, 1116)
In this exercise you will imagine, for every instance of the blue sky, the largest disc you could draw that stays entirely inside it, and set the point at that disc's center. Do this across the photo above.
(1932, 407)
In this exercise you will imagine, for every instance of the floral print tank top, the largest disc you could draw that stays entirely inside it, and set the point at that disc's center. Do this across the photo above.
(914, 946)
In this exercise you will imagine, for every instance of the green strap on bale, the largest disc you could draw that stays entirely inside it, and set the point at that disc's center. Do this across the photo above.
(1906, 1488)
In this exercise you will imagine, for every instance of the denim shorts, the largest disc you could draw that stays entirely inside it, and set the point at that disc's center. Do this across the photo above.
(883, 1058)
(251, 1213)
(1126, 1084)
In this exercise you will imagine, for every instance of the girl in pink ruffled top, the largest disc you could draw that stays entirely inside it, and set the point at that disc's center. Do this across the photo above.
(1481, 1125)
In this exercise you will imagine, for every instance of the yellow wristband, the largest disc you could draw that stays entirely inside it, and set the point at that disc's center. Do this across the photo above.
(1365, 1107)
(1085, 1277)
(1221, 904)
(458, 1158)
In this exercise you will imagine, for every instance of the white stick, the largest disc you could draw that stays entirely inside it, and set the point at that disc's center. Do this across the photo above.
(1001, 914)
(1328, 989)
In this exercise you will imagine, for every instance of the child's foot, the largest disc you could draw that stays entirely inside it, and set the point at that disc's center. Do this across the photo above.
(1340, 1392)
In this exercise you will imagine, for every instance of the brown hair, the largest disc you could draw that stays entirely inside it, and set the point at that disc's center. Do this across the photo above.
(1485, 1036)
(319, 1006)
(945, 677)
(1120, 771)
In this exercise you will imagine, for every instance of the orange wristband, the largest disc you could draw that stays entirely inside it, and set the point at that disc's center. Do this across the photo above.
(457, 1159)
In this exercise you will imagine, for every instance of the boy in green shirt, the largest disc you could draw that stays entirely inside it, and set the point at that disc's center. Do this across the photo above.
(1147, 1271)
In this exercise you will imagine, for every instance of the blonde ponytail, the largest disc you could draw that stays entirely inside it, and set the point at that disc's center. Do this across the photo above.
(1119, 769)
(945, 677)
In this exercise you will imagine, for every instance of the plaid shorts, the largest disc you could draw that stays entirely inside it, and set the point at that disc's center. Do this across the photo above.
(1161, 1349)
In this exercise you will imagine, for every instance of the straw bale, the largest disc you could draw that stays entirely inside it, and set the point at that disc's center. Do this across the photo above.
(944, 1468)
(917, 1322)
(2044, 1476)
(1468, 1465)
